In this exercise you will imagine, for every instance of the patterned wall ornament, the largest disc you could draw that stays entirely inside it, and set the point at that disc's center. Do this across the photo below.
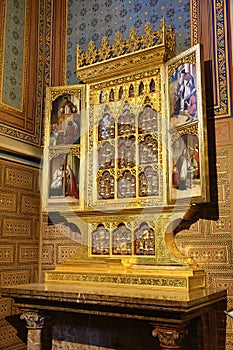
(13, 74)
(222, 65)
(24, 67)
(91, 21)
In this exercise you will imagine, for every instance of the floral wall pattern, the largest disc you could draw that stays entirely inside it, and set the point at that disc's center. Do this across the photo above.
(14, 55)
(91, 20)
(24, 61)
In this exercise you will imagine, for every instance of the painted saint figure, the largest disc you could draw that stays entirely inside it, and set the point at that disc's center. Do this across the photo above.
(68, 106)
(182, 166)
(187, 84)
(192, 106)
(71, 186)
(57, 181)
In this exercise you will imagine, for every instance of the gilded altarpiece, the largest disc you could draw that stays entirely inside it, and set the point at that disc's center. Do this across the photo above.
(137, 135)
(127, 161)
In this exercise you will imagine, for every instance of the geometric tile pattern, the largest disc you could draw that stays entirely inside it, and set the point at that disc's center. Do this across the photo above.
(18, 276)
(210, 255)
(19, 234)
(16, 228)
(28, 254)
(210, 242)
(29, 204)
(8, 201)
(8, 337)
(19, 222)
(7, 254)
(223, 132)
(64, 251)
(5, 307)
(22, 179)
(58, 243)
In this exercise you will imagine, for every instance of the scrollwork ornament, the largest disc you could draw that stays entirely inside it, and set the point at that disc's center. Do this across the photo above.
(74, 151)
(33, 319)
(187, 59)
(61, 91)
(55, 153)
(169, 338)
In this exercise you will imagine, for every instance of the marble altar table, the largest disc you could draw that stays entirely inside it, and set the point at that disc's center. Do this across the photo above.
(172, 318)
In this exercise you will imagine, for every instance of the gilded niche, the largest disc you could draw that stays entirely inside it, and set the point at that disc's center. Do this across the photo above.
(126, 160)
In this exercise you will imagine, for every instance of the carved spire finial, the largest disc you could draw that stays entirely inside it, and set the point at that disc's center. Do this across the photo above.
(134, 43)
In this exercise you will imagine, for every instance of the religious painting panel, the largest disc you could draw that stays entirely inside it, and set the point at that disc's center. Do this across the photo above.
(62, 182)
(188, 166)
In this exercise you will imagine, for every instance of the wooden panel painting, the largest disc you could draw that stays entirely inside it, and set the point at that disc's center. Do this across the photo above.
(188, 168)
(64, 107)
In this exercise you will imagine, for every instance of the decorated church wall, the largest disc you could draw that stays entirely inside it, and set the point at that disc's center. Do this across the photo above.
(209, 241)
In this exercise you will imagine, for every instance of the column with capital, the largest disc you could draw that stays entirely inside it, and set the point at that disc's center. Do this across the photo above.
(35, 323)
(169, 337)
